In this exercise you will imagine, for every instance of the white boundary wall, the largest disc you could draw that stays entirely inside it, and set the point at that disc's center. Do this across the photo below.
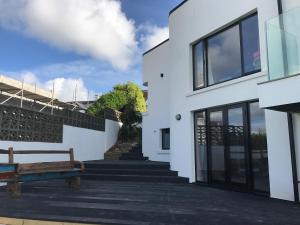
(87, 144)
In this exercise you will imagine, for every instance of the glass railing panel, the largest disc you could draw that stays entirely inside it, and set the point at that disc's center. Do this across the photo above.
(283, 42)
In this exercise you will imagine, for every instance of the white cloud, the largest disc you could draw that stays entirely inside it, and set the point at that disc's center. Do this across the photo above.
(96, 28)
(153, 36)
(97, 77)
(64, 88)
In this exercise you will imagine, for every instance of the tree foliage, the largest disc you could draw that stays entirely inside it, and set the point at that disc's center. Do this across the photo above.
(131, 119)
(121, 96)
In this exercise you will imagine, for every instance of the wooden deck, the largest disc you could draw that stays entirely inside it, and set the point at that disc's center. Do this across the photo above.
(138, 203)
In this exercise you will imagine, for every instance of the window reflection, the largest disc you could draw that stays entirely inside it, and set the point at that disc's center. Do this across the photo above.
(224, 56)
(236, 145)
(259, 150)
(217, 148)
(198, 65)
(251, 44)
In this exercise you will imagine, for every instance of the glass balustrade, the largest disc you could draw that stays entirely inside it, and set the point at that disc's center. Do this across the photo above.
(283, 42)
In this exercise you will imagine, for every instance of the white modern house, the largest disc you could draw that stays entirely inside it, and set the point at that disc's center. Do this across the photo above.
(224, 95)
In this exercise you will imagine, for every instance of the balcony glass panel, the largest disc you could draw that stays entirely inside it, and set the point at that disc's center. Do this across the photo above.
(283, 41)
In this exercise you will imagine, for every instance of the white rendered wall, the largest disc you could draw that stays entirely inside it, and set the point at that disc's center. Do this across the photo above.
(192, 21)
(283, 91)
(87, 144)
(157, 117)
(280, 169)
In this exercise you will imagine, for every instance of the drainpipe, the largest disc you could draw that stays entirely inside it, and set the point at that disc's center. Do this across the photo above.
(293, 156)
(289, 114)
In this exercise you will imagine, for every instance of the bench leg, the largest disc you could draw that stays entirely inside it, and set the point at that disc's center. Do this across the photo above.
(73, 182)
(14, 189)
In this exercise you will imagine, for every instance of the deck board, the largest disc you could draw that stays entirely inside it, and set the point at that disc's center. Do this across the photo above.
(112, 202)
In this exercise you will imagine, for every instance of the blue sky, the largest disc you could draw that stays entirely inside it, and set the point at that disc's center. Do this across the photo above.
(43, 46)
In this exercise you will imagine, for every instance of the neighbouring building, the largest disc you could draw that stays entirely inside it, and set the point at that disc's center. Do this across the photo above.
(224, 95)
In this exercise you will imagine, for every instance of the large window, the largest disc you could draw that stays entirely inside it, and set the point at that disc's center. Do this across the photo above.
(229, 54)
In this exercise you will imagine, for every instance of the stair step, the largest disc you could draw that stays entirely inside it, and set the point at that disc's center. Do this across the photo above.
(127, 165)
(145, 172)
(140, 158)
(136, 178)
(133, 154)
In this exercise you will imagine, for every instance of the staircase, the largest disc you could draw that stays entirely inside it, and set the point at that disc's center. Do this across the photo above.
(135, 153)
(125, 151)
(136, 171)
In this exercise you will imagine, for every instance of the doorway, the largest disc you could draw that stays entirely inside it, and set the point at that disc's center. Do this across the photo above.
(231, 147)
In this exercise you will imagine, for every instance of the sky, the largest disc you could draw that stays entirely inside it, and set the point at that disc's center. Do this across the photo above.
(87, 45)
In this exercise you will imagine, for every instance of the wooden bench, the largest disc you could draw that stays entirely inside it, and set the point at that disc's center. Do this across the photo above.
(16, 173)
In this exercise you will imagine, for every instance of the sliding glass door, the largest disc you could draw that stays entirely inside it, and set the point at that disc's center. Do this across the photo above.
(236, 145)
(216, 146)
(231, 147)
(259, 152)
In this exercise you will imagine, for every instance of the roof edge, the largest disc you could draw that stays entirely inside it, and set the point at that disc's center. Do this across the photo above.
(150, 50)
(178, 6)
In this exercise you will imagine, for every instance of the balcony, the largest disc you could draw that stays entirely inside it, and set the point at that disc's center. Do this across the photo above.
(282, 90)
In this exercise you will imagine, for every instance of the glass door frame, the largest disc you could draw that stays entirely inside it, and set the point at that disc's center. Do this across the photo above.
(249, 185)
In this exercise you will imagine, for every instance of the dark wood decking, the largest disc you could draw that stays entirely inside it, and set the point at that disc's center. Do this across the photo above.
(138, 203)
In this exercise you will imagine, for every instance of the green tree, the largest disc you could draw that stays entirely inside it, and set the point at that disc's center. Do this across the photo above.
(131, 119)
(118, 98)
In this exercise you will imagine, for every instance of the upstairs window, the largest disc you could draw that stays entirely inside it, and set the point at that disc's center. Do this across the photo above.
(231, 53)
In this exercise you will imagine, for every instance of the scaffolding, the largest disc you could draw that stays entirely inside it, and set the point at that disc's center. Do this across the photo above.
(12, 89)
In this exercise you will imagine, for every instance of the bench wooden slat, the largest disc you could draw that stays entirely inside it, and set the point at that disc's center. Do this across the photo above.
(49, 171)
(26, 152)
(49, 175)
(44, 166)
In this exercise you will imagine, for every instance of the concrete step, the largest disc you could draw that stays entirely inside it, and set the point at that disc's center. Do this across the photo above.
(133, 157)
(127, 165)
(145, 172)
(136, 178)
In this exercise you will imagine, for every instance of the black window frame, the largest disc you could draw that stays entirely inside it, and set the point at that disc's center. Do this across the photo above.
(249, 186)
(205, 54)
(163, 144)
